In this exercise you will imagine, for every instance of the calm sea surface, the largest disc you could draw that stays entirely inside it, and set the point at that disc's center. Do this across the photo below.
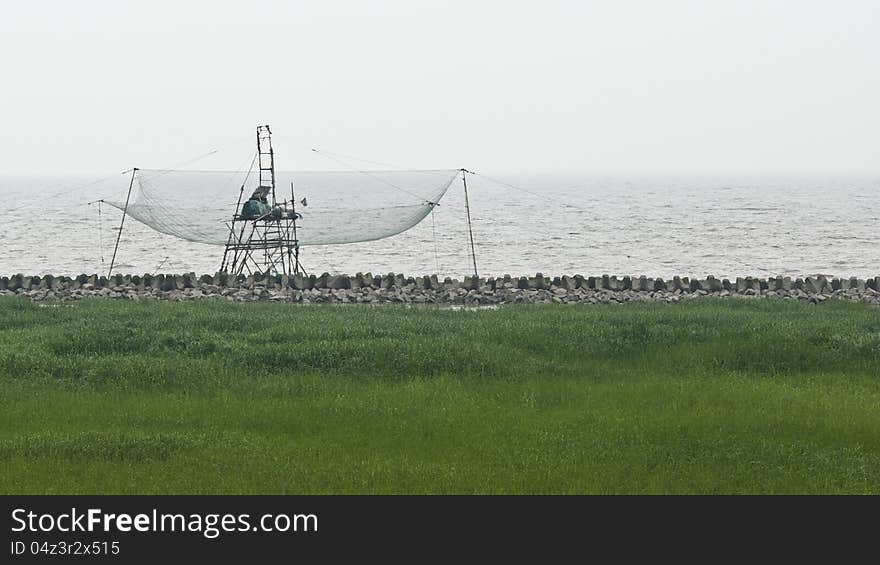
(555, 224)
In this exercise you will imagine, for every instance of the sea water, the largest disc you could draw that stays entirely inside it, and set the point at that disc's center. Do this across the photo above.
(668, 225)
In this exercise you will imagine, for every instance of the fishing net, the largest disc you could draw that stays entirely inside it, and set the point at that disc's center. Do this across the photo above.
(341, 207)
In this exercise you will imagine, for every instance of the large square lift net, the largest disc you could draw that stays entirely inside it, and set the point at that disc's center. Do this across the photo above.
(340, 206)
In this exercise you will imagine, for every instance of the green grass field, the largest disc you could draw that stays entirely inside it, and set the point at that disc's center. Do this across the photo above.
(704, 397)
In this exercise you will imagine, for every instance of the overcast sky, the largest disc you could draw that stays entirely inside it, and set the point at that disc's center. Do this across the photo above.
(624, 86)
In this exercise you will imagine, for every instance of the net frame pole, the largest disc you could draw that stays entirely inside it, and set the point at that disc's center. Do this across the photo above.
(467, 208)
(231, 231)
(122, 223)
(297, 268)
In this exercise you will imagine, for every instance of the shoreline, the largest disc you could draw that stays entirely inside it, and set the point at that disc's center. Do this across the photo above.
(392, 288)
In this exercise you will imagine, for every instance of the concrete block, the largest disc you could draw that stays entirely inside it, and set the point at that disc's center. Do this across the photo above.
(539, 282)
(856, 283)
(339, 282)
(300, 281)
(321, 281)
(813, 285)
(640, 284)
(361, 280)
(712, 284)
(779, 283)
(471, 283)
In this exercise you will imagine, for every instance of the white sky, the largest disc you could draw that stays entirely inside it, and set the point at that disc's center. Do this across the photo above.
(625, 86)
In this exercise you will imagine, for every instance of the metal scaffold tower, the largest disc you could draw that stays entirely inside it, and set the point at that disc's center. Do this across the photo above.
(263, 231)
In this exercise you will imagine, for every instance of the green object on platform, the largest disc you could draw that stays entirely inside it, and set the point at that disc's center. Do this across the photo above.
(253, 209)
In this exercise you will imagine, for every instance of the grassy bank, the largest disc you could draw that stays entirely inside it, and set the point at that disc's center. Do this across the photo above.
(708, 396)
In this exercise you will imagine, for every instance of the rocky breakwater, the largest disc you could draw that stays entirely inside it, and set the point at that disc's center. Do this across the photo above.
(392, 288)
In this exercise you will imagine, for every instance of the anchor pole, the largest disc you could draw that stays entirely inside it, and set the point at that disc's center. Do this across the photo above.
(467, 207)
(122, 223)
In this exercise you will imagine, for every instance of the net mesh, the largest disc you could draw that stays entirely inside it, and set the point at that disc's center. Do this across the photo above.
(341, 206)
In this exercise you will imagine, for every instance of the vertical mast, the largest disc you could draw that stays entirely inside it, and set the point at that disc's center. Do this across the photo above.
(267, 162)
(296, 266)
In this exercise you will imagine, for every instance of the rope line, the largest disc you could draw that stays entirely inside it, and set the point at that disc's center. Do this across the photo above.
(434, 233)
(67, 188)
(369, 174)
(542, 196)
(101, 233)
(390, 165)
